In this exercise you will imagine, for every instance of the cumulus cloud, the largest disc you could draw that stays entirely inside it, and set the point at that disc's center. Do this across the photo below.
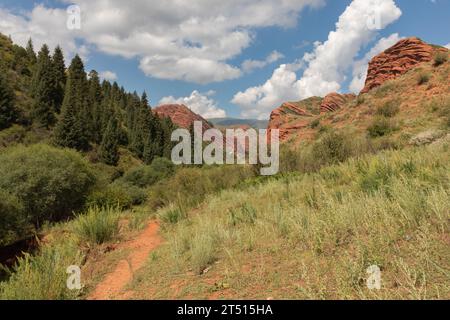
(199, 103)
(43, 25)
(179, 40)
(327, 64)
(250, 65)
(360, 67)
(448, 46)
(108, 75)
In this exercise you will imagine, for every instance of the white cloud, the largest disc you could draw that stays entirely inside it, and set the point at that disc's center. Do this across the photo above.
(250, 65)
(108, 75)
(180, 40)
(199, 103)
(327, 64)
(360, 67)
(43, 25)
(448, 46)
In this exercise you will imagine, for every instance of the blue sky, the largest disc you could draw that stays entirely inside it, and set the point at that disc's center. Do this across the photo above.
(226, 59)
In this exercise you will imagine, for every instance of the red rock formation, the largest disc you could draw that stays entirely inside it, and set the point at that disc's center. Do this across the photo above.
(397, 60)
(335, 101)
(181, 115)
(293, 116)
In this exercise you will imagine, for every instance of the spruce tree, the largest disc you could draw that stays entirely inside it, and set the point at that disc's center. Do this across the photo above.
(31, 55)
(97, 111)
(43, 90)
(72, 129)
(109, 148)
(8, 112)
(59, 74)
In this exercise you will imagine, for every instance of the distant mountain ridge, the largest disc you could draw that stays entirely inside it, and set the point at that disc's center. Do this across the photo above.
(234, 122)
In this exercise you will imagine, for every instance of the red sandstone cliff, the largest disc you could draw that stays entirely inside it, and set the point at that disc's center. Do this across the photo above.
(181, 115)
(397, 60)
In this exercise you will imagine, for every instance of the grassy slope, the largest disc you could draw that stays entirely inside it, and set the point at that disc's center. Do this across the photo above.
(417, 104)
(314, 236)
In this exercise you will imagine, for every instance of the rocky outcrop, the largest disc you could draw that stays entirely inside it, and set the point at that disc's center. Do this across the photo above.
(397, 60)
(335, 101)
(181, 115)
(293, 116)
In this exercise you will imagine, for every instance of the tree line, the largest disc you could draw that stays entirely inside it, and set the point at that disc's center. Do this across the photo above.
(81, 111)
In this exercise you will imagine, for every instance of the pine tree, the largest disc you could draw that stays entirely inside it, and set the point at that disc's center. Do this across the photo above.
(8, 112)
(31, 55)
(97, 120)
(109, 150)
(44, 85)
(59, 74)
(72, 129)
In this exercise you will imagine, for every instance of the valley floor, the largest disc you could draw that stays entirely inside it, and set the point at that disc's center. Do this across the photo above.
(308, 236)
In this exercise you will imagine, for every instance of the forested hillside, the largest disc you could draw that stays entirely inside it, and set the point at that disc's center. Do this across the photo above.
(48, 108)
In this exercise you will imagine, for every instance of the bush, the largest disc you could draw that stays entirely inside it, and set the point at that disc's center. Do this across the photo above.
(12, 218)
(332, 148)
(146, 176)
(389, 109)
(50, 183)
(424, 77)
(44, 276)
(163, 166)
(440, 58)
(314, 124)
(380, 127)
(189, 186)
(98, 226)
(141, 177)
(118, 194)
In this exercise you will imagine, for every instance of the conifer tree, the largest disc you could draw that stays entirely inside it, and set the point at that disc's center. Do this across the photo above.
(31, 55)
(44, 85)
(59, 74)
(8, 112)
(109, 148)
(72, 129)
(97, 120)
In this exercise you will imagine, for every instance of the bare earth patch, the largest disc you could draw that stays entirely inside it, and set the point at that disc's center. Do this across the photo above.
(112, 287)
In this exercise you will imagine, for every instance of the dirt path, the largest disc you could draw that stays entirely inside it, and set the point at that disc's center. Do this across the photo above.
(112, 286)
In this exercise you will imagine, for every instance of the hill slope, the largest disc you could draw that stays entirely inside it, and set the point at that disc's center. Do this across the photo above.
(419, 93)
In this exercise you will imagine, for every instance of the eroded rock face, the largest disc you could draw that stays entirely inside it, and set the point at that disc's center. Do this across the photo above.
(335, 101)
(293, 116)
(396, 61)
(181, 115)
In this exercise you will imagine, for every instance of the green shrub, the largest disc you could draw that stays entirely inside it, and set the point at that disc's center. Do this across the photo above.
(440, 58)
(380, 127)
(189, 186)
(43, 276)
(98, 226)
(11, 136)
(118, 194)
(163, 166)
(50, 183)
(315, 124)
(389, 109)
(12, 218)
(424, 77)
(333, 147)
(146, 176)
(142, 177)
